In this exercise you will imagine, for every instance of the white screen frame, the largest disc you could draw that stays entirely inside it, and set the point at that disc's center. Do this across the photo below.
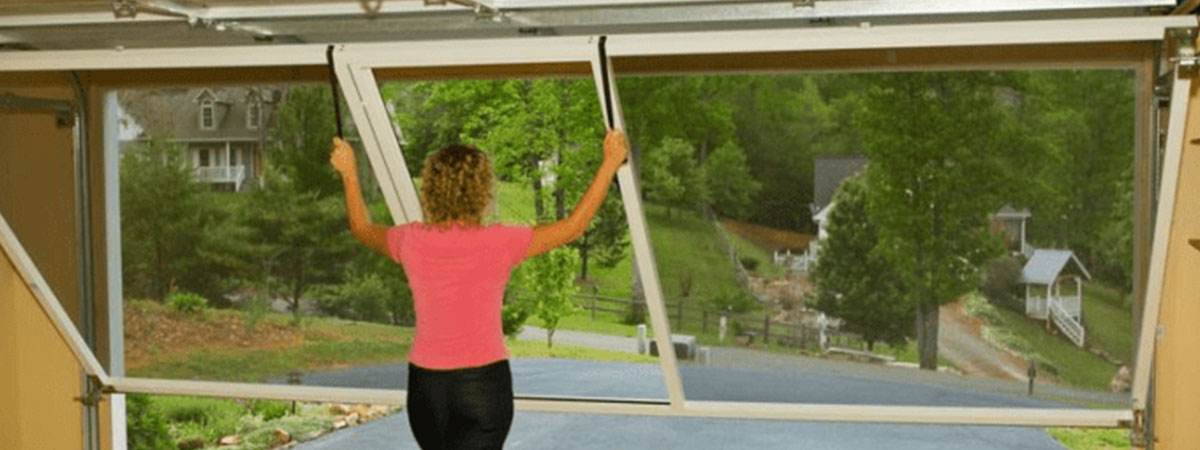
(357, 61)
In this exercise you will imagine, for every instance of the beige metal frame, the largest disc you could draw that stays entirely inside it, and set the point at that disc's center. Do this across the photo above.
(1168, 189)
(355, 66)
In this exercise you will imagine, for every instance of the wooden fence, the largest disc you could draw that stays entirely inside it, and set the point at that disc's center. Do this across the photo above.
(754, 327)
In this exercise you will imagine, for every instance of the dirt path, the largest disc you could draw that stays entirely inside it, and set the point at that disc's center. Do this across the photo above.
(960, 340)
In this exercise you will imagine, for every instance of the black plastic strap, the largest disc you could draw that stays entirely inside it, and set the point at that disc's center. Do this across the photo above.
(608, 103)
(333, 83)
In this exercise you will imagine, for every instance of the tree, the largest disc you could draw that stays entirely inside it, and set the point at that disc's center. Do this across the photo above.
(606, 238)
(175, 234)
(672, 177)
(304, 125)
(547, 286)
(940, 146)
(300, 238)
(730, 184)
(854, 281)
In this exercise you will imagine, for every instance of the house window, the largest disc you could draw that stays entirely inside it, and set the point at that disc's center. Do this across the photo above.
(203, 157)
(233, 157)
(207, 115)
(254, 114)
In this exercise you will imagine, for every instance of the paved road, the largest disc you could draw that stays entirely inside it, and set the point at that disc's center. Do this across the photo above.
(717, 382)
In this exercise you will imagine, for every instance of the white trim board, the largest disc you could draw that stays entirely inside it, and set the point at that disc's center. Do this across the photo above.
(472, 52)
(1035, 417)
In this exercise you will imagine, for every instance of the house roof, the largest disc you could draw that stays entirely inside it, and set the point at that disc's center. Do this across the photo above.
(231, 106)
(828, 173)
(1045, 265)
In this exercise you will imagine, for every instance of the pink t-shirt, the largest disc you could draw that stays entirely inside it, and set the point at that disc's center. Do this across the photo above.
(457, 278)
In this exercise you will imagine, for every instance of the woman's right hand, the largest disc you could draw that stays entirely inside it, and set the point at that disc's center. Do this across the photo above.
(342, 157)
(616, 147)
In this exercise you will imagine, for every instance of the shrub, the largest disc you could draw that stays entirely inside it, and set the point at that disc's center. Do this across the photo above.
(205, 418)
(187, 303)
(513, 316)
(269, 409)
(749, 263)
(635, 314)
(146, 426)
(1001, 283)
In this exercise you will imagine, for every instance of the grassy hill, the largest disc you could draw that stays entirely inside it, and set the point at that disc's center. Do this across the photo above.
(685, 245)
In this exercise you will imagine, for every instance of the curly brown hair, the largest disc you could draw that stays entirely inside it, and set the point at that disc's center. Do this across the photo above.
(456, 186)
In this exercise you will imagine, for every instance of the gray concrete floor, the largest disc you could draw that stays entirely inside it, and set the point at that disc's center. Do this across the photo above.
(819, 383)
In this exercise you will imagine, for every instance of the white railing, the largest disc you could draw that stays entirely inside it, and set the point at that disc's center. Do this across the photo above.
(1035, 307)
(1072, 305)
(222, 174)
(1065, 322)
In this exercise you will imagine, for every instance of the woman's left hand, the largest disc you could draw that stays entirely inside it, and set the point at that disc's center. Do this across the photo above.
(342, 157)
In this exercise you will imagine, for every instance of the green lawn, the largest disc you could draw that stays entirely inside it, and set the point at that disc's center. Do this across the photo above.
(1072, 365)
(1091, 438)
(1109, 321)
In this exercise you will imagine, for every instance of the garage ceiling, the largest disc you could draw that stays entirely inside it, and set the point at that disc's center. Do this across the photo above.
(84, 24)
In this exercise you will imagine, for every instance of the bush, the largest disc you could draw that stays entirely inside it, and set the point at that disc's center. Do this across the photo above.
(205, 418)
(1001, 283)
(635, 314)
(146, 426)
(749, 263)
(187, 303)
(512, 317)
(269, 409)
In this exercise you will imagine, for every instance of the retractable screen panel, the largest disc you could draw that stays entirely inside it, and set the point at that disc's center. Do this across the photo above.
(909, 239)
(568, 337)
(238, 264)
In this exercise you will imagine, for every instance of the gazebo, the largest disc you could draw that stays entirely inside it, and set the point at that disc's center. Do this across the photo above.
(1044, 276)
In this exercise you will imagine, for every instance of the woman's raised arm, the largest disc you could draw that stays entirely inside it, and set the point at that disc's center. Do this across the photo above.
(370, 234)
(552, 235)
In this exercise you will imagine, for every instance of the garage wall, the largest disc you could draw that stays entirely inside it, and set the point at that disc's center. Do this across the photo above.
(1177, 386)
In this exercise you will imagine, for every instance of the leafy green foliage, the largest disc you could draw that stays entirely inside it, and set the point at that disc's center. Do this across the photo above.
(854, 281)
(146, 426)
(300, 239)
(304, 126)
(367, 296)
(940, 146)
(187, 303)
(174, 232)
(546, 284)
(671, 176)
(732, 188)
(269, 409)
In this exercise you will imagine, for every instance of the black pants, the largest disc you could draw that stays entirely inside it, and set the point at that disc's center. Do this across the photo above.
(468, 408)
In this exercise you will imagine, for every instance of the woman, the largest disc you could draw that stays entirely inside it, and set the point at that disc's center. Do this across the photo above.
(459, 382)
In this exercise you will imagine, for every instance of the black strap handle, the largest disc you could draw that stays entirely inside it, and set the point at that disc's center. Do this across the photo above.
(333, 83)
(608, 103)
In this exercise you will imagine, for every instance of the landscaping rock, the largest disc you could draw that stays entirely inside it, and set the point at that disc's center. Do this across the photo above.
(339, 409)
(352, 419)
(232, 439)
(314, 435)
(339, 424)
(1120, 381)
(363, 411)
(282, 436)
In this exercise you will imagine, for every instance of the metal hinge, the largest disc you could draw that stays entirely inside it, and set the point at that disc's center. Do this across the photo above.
(1185, 54)
(95, 391)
